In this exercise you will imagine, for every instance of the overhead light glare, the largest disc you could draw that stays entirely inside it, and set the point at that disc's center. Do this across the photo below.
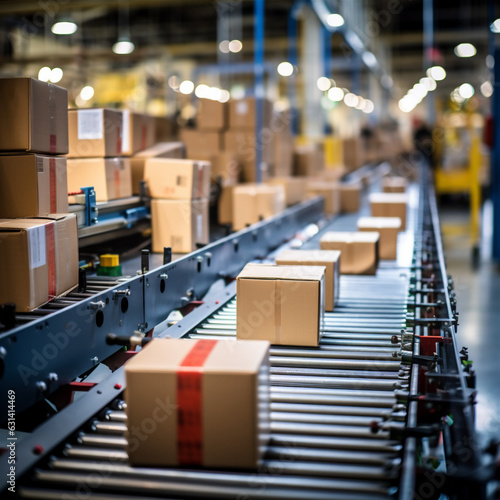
(56, 75)
(351, 100)
(44, 74)
(466, 90)
(285, 69)
(235, 46)
(123, 47)
(323, 83)
(87, 93)
(64, 28)
(495, 26)
(186, 87)
(335, 20)
(336, 94)
(486, 89)
(438, 73)
(465, 50)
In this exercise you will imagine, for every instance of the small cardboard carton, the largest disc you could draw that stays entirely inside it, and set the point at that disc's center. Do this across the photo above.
(138, 132)
(95, 133)
(350, 197)
(295, 188)
(225, 166)
(110, 177)
(38, 259)
(172, 179)
(282, 304)
(389, 205)
(159, 150)
(34, 116)
(388, 229)
(330, 191)
(193, 403)
(33, 185)
(212, 115)
(179, 224)
(200, 143)
(309, 160)
(394, 184)
(360, 254)
(253, 202)
(328, 258)
(242, 114)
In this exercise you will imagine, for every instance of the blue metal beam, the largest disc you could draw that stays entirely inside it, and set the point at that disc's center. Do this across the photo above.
(495, 158)
(258, 83)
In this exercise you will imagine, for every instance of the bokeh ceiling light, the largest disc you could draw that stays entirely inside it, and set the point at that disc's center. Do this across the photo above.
(235, 46)
(123, 47)
(465, 50)
(285, 69)
(335, 20)
(466, 90)
(323, 83)
(438, 73)
(214, 93)
(407, 103)
(224, 96)
(351, 100)
(201, 91)
(87, 93)
(368, 107)
(186, 87)
(486, 89)
(224, 46)
(56, 75)
(44, 74)
(360, 104)
(336, 94)
(429, 83)
(495, 26)
(64, 28)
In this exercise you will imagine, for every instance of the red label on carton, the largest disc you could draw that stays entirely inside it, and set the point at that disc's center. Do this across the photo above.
(119, 141)
(53, 143)
(53, 186)
(189, 403)
(50, 245)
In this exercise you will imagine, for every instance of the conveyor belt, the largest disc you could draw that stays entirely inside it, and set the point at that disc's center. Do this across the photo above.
(324, 403)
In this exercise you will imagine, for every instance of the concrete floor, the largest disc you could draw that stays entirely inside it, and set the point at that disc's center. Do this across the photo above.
(478, 297)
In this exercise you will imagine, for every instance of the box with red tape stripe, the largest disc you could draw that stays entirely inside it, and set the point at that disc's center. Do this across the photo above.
(199, 403)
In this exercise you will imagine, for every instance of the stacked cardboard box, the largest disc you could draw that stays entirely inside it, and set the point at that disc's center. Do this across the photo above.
(309, 160)
(330, 191)
(38, 238)
(295, 188)
(179, 207)
(95, 149)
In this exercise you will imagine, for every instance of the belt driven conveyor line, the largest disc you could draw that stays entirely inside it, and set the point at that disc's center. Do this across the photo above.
(343, 416)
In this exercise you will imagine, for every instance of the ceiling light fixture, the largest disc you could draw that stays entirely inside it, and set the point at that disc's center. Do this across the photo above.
(335, 20)
(87, 93)
(465, 50)
(235, 46)
(56, 75)
(66, 27)
(124, 45)
(323, 83)
(285, 69)
(437, 72)
(44, 74)
(495, 26)
(336, 94)
(466, 90)
(186, 87)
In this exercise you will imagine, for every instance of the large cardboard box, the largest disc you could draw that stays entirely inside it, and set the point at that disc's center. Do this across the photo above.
(388, 229)
(389, 205)
(352, 153)
(33, 185)
(253, 202)
(243, 144)
(242, 114)
(225, 166)
(225, 204)
(138, 132)
(360, 250)
(330, 191)
(38, 259)
(394, 184)
(173, 179)
(309, 160)
(110, 177)
(200, 144)
(160, 150)
(34, 116)
(212, 115)
(179, 224)
(95, 133)
(283, 153)
(295, 188)
(328, 258)
(350, 197)
(282, 304)
(208, 400)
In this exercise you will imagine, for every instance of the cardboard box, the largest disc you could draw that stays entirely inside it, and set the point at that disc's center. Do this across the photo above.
(309, 161)
(242, 114)
(328, 258)
(225, 204)
(110, 177)
(179, 224)
(360, 250)
(209, 400)
(138, 132)
(394, 184)
(253, 202)
(34, 116)
(283, 153)
(173, 179)
(33, 185)
(352, 153)
(38, 259)
(200, 144)
(166, 129)
(225, 166)
(282, 304)
(160, 150)
(95, 133)
(295, 188)
(388, 229)
(243, 145)
(389, 205)
(350, 197)
(212, 115)
(330, 191)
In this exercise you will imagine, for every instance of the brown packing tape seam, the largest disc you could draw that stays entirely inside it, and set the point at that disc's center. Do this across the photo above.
(277, 312)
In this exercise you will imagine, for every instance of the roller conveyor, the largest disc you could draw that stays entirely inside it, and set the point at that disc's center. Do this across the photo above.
(343, 416)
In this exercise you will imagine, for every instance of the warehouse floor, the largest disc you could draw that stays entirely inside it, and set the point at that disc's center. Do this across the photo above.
(478, 293)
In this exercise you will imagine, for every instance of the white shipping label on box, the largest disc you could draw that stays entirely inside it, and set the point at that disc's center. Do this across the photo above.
(242, 107)
(125, 130)
(36, 245)
(90, 124)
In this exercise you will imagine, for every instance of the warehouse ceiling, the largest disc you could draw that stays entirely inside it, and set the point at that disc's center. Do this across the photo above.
(188, 30)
